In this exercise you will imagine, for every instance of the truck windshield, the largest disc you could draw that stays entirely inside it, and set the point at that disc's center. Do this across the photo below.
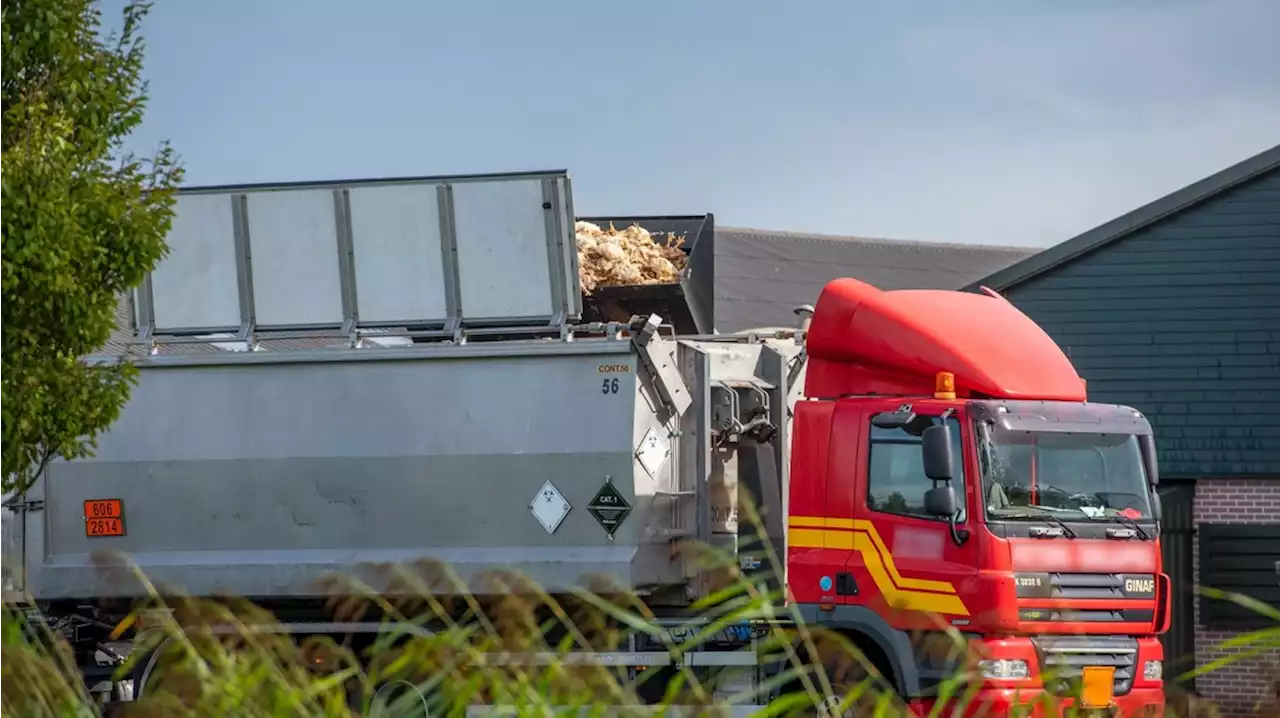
(1027, 474)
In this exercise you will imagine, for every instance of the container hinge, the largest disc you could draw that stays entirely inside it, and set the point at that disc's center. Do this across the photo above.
(16, 504)
(660, 362)
(796, 366)
(741, 409)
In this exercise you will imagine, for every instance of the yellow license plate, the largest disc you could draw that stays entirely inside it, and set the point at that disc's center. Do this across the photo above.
(1097, 689)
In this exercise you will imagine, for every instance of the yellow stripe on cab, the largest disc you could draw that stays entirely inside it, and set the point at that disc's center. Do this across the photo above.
(915, 594)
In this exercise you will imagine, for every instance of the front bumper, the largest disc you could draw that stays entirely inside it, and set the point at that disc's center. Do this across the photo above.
(1138, 703)
(1055, 663)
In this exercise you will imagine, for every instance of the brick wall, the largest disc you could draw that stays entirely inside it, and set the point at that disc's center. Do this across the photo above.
(1240, 686)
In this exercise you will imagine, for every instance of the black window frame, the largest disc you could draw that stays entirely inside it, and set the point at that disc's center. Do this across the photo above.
(960, 482)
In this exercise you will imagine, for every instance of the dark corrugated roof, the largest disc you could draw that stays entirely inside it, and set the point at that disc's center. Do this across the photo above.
(1184, 198)
(118, 342)
(762, 275)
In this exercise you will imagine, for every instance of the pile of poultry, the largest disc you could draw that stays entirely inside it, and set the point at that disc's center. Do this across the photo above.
(611, 257)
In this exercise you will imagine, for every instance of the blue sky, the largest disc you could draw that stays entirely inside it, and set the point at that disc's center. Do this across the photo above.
(1018, 122)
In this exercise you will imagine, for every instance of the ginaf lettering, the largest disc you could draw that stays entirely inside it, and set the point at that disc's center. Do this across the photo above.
(1139, 585)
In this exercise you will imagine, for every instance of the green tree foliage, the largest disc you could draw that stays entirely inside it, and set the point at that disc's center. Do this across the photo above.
(83, 221)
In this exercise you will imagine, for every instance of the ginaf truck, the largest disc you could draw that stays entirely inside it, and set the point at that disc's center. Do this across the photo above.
(340, 376)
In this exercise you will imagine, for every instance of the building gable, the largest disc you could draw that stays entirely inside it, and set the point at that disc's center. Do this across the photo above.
(1192, 195)
(1180, 319)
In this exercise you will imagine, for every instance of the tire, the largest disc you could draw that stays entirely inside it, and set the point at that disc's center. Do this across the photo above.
(399, 699)
(143, 671)
(847, 673)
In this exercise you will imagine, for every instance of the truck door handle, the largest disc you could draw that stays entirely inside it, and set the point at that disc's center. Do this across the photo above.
(845, 585)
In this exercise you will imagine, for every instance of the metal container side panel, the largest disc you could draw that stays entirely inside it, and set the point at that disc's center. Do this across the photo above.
(296, 276)
(503, 262)
(655, 437)
(569, 252)
(198, 280)
(259, 477)
(712, 474)
(327, 256)
(694, 451)
(397, 235)
(796, 365)
(11, 560)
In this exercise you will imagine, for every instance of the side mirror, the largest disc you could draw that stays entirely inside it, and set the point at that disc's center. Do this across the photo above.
(1148, 445)
(940, 501)
(935, 448)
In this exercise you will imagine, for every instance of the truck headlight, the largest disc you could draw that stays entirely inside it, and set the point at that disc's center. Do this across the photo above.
(1004, 669)
(1153, 670)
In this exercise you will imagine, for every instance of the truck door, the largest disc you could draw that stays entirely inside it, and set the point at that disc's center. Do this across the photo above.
(903, 562)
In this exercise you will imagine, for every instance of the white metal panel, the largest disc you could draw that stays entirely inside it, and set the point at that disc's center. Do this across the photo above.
(294, 244)
(502, 249)
(573, 287)
(395, 232)
(196, 285)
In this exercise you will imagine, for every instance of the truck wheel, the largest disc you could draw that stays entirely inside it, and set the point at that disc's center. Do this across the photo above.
(399, 699)
(144, 669)
(847, 673)
(150, 673)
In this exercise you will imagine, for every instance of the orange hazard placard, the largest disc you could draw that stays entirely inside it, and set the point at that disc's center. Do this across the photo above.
(104, 517)
(104, 527)
(103, 509)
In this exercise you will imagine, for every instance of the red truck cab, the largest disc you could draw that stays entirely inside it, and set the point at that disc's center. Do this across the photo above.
(949, 476)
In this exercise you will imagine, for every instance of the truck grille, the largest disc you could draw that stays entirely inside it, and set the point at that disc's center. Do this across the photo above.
(1078, 615)
(1063, 659)
(1085, 585)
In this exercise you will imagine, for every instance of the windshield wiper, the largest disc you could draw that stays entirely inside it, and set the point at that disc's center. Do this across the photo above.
(1131, 524)
(1044, 515)
(1065, 528)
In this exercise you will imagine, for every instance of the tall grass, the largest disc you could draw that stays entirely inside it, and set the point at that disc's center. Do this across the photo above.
(230, 657)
